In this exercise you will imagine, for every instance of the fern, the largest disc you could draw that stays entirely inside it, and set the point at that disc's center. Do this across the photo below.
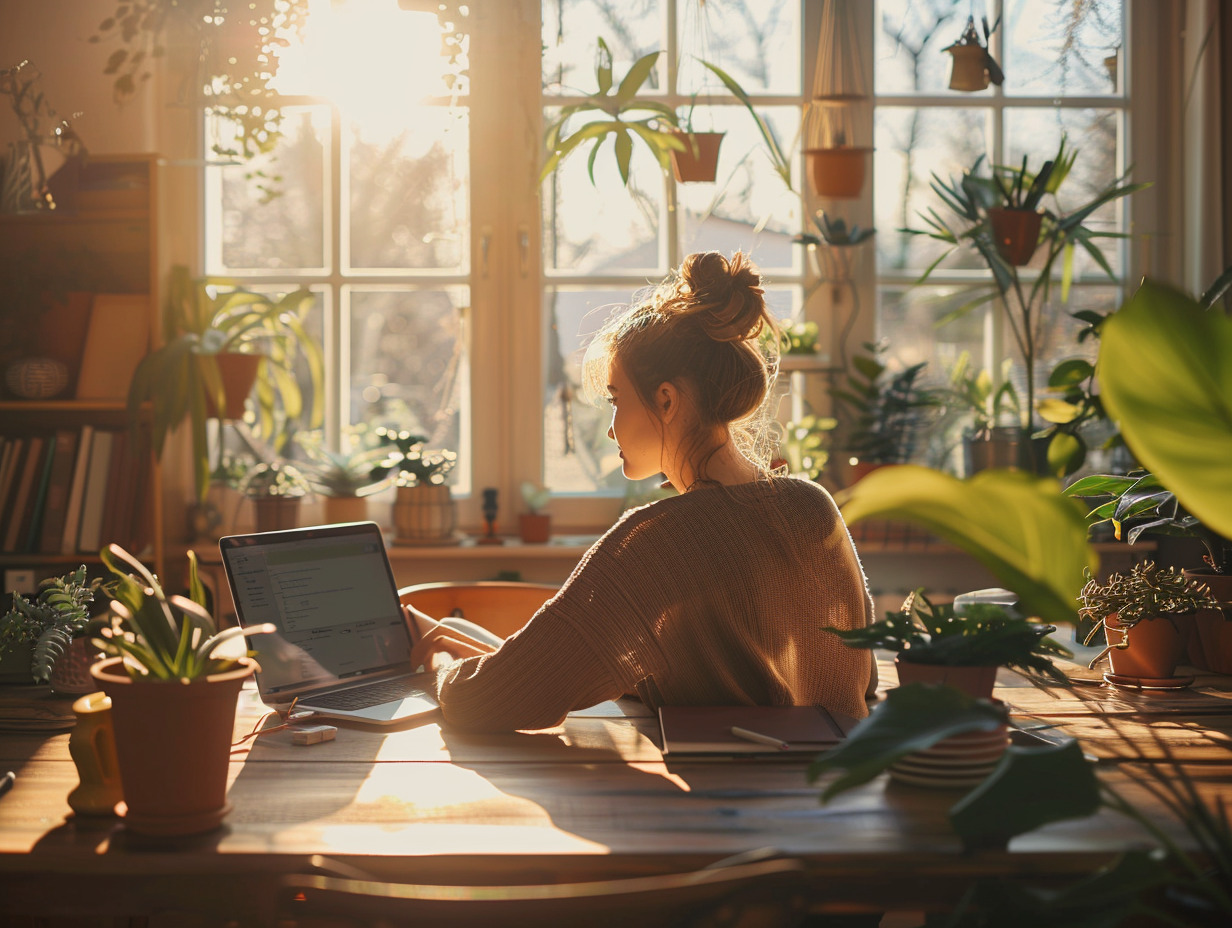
(51, 621)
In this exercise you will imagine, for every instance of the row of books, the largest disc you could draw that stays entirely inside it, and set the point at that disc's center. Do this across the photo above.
(71, 490)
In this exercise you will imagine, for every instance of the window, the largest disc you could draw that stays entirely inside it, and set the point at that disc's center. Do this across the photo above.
(455, 290)
(1061, 62)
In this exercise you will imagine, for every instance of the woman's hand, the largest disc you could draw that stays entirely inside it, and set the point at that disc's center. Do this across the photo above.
(442, 644)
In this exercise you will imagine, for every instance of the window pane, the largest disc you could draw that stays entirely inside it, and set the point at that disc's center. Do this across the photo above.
(578, 457)
(1036, 133)
(591, 228)
(409, 367)
(631, 29)
(911, 145)
(758, 44)
(286, 232)
(1060, 48)
(909, 45)
(408, 183)
(748, 195)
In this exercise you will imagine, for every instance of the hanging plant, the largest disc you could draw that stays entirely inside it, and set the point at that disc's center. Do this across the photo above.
(973, 66)
(237, 45)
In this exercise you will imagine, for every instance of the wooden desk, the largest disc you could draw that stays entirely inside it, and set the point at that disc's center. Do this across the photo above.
(592, 799)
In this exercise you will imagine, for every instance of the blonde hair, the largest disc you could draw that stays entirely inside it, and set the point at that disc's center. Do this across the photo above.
(699, 329)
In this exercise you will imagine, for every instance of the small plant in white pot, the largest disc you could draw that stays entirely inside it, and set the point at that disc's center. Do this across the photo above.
(535, 525)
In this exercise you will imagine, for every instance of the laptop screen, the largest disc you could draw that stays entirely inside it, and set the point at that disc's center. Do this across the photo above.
(330, 593)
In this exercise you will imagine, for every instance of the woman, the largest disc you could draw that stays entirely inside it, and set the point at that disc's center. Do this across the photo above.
(717, 596)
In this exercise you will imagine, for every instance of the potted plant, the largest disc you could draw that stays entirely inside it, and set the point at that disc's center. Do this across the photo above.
(609, 110)
(937, 643)
(39, 171)
(219, 339)
(973, 67)
(276, 489)
(46, 637)
(834, 246)
(1161, 377)
(1016, 220)
(883, 412)
(697, 160)
(173, 685)
(805, 446)
(1139, 611)
(970, 198)
(345, 478)
(535, 525)
(989, 439)
(424, 510)
(774, 151)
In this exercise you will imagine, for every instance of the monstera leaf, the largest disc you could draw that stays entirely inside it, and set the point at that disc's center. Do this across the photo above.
(1165, 374)
(1018, 526)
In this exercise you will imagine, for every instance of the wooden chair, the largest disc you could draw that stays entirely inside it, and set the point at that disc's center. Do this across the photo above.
(499, 606)
(756, 893)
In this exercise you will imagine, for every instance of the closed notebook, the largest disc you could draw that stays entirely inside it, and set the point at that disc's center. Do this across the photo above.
(708, 729)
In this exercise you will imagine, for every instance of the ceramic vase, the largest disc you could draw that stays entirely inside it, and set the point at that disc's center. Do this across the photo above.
(424, 514)
(534, 528)
(1210, 646)
(238, 373)
(1155, 646)
(345, 509)
(837, 172)
(70, 675)
(967, 71)
(173, 746)
(1015, 232)
(276, 513)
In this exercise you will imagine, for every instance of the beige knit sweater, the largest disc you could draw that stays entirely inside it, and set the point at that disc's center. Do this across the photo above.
(714, 597)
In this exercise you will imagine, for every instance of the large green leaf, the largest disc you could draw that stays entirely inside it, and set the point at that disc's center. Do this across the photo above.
(1018, 526)
(1165, 374)
(1030, 787)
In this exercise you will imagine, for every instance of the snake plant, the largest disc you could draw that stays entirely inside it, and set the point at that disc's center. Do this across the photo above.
(163, 638)
(50, 621)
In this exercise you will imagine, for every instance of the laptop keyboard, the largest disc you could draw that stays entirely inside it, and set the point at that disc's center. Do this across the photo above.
(373, 694)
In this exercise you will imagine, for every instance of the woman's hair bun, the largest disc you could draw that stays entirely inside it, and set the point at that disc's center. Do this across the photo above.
(726, 296)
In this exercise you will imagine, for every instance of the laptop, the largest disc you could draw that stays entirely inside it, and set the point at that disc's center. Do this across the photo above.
(342, 646)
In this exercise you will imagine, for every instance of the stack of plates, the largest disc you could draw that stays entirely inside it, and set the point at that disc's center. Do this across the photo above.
(955, 763)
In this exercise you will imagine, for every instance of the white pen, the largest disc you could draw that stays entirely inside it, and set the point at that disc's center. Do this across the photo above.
(759, 738)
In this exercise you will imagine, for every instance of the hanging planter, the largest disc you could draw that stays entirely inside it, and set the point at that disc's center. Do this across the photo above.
(837, 172)
(698, 161)
(238, 372)
(973, 68)
(1015, 232)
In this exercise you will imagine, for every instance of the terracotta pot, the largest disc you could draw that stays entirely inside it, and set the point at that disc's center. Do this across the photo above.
(837, 172)
(70, 675)
(534, 527)
(424, 514)
(238, 373)
(1155, 646)
(974, 681)
(277, 513)
(698, 163)
(173, 747)
(1015, 232)
(1210, 646)
(345, 509)
(996, 447)
(967, 71)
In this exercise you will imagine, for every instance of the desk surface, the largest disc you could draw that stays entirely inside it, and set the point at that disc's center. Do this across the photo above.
(591, 799)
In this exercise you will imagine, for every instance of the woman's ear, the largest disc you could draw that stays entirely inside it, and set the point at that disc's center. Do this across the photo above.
(667, 401)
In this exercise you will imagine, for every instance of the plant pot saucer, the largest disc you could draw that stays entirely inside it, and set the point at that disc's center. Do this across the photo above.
(175, 826)
(1148, 683)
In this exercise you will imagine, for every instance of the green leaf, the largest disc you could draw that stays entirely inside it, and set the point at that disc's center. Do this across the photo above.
(635, 78)
(1059, 411)
(1066, 453)
(1165, 374)
(1029, 788)
(910, 718)
(1018, 526)
(1069, 373)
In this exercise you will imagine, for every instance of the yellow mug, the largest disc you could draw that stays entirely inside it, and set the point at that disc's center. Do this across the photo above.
(92, 746)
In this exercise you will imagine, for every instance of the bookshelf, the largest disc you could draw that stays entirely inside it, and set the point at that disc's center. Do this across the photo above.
(106, 241)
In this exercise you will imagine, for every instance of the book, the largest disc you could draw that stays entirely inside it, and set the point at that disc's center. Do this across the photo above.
(76, 491)
(116, 341)
(56, 508)
(16, 449)
(89, 536)
(17, 515)
(708, 729)
(121, 472)
(33, 528)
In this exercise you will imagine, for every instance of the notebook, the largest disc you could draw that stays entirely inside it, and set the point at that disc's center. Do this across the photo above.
(342, 646)
(708, 729)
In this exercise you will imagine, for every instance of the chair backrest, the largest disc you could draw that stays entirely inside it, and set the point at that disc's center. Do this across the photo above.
(759, 894)
(502, 607)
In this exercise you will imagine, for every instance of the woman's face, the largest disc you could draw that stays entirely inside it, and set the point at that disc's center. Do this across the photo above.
(635, 428)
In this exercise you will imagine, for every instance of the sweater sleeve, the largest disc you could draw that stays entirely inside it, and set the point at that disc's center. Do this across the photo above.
(532, 681)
